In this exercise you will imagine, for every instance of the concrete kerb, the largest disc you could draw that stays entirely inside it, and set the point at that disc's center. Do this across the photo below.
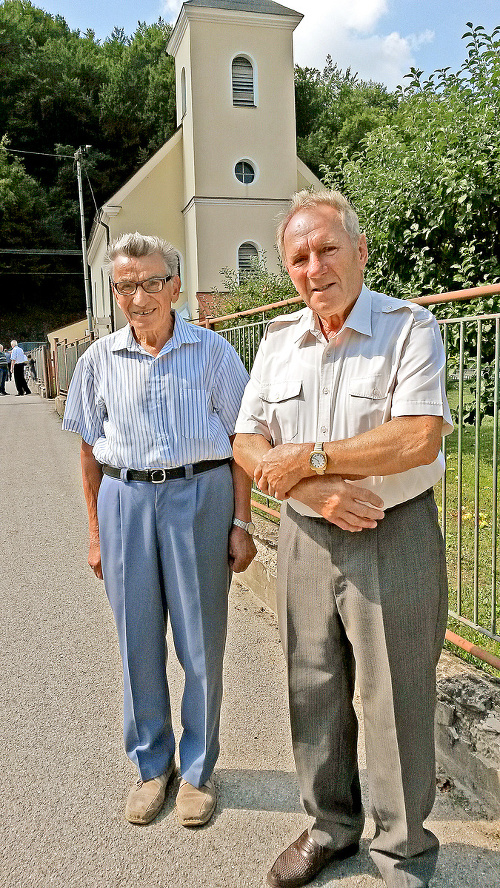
(468, 701)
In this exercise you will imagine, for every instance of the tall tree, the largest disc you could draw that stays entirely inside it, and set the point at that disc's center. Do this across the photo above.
(335, 111)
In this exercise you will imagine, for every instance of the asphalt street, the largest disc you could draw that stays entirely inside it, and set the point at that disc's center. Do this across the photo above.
(64, 773)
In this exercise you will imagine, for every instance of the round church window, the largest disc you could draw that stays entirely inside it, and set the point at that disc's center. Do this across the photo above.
(244, 172)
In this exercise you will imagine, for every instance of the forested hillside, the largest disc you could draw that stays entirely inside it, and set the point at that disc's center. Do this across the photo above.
(61, 89)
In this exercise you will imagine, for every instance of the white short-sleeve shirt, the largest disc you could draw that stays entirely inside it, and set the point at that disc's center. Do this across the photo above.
(386, 361)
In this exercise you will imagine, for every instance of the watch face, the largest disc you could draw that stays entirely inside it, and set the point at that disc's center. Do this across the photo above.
(318, 460)
(250, 527)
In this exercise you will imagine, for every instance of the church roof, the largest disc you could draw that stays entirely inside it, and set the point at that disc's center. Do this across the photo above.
(261, 6)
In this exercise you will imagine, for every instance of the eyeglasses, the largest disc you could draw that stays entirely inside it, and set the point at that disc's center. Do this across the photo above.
(151, 285)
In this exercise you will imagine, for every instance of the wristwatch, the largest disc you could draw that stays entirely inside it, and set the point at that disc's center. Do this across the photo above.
(249, 526)
(318, 459)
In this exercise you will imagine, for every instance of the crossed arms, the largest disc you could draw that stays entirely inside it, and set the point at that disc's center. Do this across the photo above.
(400, 444)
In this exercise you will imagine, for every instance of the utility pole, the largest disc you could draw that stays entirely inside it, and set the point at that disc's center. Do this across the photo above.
(81, 152)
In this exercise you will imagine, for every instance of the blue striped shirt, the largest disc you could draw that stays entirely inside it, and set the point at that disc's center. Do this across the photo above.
(143, 412)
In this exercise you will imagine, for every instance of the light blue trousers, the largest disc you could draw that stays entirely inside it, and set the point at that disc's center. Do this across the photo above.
(164, 550)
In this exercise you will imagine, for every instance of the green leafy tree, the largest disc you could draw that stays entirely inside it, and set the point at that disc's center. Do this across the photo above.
(137, 101)
(335, 111)
(62, 89)
(427, 184)
(26, 223)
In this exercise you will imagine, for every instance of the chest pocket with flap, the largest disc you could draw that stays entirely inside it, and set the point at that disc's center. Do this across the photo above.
(281, 400)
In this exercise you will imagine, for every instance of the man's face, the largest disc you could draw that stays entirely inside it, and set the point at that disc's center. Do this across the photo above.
(325, 267)
(146, 312)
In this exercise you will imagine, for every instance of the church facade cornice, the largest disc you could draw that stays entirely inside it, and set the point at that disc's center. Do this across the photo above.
(227, 16)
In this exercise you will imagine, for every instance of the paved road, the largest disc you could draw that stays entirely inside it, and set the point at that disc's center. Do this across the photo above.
(64, 774)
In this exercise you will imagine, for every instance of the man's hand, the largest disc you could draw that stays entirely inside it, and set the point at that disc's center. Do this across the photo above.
(95, 557)
(346, 505)
(281, 468)
(241, 549)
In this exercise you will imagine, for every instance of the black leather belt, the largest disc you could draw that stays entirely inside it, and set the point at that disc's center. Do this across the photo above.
(158, 476)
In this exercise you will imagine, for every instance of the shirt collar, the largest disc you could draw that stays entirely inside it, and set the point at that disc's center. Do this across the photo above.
(183, 333)
(359, 318)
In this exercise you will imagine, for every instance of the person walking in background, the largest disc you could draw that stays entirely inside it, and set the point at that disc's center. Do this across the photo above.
(169, 515)
(18, 365)
(342, 419)
(4, 370)
(32, 366)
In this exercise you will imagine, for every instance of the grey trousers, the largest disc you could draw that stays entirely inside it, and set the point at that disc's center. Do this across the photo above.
(374, 604)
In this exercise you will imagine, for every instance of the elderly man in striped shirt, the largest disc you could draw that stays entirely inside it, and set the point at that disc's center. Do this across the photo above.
(169, 515)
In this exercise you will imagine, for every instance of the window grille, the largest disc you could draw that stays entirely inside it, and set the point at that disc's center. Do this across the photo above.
(247, 254)
(243, 85)
(244, 172)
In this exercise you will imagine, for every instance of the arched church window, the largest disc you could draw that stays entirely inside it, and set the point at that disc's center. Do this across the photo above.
(247, 255)
(244, 172)
(243, 81)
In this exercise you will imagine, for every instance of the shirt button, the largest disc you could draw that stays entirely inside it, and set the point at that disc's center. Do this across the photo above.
(325, 391)
(323, 429)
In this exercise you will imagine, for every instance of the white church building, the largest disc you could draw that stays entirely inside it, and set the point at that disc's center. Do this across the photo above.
(215, 189)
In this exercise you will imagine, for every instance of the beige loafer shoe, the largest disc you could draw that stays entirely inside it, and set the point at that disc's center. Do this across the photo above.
(146, 797)
(195, 805)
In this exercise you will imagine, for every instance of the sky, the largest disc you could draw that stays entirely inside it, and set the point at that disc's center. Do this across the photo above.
(379, 39)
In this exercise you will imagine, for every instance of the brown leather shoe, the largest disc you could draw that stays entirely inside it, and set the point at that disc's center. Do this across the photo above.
(303, 860)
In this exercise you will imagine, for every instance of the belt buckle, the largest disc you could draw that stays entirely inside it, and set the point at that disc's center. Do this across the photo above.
(161, 479)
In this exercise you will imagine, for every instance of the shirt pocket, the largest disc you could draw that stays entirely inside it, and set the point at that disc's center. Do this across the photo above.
(369, 401)
(194, 420)
(281, 407)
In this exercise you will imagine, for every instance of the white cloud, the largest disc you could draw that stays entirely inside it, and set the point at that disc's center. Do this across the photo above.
(360, 15)
(352, 33)
(170, 9)
(418, 40)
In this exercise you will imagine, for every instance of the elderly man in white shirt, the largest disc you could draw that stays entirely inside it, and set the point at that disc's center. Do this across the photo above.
(343, 418)
(18, 363)
(169, 515)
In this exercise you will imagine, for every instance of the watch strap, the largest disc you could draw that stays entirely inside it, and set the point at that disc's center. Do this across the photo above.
(245, 525)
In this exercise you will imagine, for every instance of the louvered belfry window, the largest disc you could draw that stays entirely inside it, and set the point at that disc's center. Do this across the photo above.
(247, 254)
(243, 86)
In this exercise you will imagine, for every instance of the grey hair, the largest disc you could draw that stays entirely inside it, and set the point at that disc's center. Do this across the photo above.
(306, 200)
(135, 245)
(13, 343)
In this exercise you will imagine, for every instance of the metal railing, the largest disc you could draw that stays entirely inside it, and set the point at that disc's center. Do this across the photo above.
(44, 369)
(66, 357)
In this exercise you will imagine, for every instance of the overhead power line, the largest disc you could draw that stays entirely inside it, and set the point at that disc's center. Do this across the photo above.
(38, 153)
(43, 252)
(38, 273)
